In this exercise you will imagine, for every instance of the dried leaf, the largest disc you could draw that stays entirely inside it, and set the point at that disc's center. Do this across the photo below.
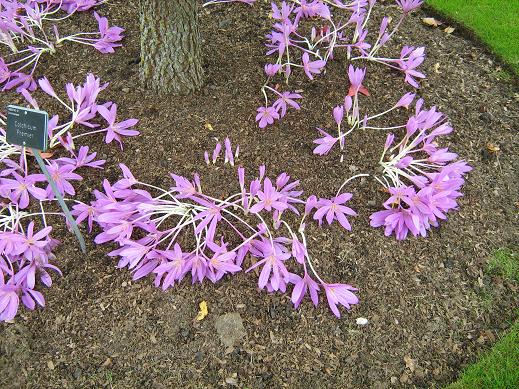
(437, 67)
(409, 363)
(209, 127)
(431, 22)
(43, 155)
(449, 30)
(203, 311)
(493, 148)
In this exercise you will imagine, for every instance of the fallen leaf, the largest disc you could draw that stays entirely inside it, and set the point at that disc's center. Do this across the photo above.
(449, 30)
(437, 67)
(209, 127)
(107, 363)
(431, 22)
(203, 311)
(50, 365)
(43, 155)
(409, 363)
(493, 148)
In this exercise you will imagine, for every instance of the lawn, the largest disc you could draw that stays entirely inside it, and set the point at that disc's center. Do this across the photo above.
(497, 369)
(495, 21)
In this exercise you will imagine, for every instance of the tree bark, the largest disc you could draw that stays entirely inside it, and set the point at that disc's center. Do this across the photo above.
(171, 61)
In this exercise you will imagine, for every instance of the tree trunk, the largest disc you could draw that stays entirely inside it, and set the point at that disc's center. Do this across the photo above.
(171, 62)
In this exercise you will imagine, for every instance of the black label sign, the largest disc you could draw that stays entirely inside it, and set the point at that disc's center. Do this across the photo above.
(27, 127)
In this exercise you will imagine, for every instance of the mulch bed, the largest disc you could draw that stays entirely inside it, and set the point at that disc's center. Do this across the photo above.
(430, 304)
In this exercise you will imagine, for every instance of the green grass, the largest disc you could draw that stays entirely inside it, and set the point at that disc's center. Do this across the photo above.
(498, 369)
(505, 262)
(496, 22)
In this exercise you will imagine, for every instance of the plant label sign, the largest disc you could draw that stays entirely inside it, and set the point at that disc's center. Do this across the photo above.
(27, 127)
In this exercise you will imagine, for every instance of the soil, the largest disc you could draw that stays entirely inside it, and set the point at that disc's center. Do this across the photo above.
(431, 305)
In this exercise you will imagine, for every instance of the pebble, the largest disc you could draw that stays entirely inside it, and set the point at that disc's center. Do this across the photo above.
(485, 117)
(125, 90)
(362, 321)
(77, 373)
(199, 355)
(230, 328)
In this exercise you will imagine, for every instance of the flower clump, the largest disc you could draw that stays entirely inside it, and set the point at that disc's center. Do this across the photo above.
(183, 232)
(423, 179)
(26, 254)
(25, 30)
(307, 34)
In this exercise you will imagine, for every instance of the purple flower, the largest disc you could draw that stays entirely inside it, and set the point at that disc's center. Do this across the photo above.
(61, 176)
(274, 269)
(409, 5)
(83, 159)
(197, 264)
(20, 188)
(9, 300)
(269, 198)
(109, 35)
(210, 218)
(116, 130)
(229, 156)
(173, 268)
(410, 59)
(340, 294)
(325, 143)
(312, 67)
(301, 287)
(83, 211)
(356, 76)
(221, 263)
(406, 100)
(272, 69)
(334, 210)
(338, 114)
(34, 244)
(266, 116)
(286, 98)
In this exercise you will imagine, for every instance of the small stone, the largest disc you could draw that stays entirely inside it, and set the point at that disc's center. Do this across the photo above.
(353, 168)
(77, 373)
(50, 365)
(394, 380)
(240, 306)
(184, 333)
(372, 203)
(485, 117)
(224, 23)
(230, 328)
(125, 90)
(362, 321)
(199, 355)
(107, 363)
(231, 381)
